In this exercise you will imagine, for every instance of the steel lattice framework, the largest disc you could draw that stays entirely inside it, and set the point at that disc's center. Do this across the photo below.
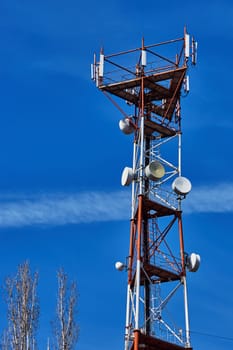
(151, 80)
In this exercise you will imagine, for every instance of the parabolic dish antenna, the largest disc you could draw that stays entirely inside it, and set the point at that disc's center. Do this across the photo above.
(126, 126)
(181, 185)
(119, 266)
(127, 176)
(193, 262)
(155, 170)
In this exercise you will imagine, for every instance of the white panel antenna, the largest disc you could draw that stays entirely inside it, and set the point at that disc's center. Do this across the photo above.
(143, 60)
(101, 66)
(187, 46)
(93, 68)
(97, 76)
(194, 51)
(186, 84)
(92, 72)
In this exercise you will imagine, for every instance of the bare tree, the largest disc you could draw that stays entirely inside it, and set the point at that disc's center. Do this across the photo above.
(65, 327)
(5, 341)
(23, 310)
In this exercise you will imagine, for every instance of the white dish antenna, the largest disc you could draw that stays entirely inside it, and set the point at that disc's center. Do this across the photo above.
(155, 170)
(126, 126)
(194, 51)
(127, 176)
(119, 266)
(193, 262)
(181, 185)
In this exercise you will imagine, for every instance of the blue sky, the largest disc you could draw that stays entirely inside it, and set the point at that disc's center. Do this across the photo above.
(61, 157)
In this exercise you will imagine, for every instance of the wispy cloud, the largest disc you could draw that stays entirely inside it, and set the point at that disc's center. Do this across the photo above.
(62, 208)
(207, 199)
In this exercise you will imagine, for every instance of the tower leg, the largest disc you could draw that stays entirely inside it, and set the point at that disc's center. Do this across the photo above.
(187, 330)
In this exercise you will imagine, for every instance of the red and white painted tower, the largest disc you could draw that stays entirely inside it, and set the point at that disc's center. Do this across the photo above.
(151, 80)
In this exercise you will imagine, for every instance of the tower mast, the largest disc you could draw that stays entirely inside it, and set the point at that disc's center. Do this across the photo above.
(151, 79)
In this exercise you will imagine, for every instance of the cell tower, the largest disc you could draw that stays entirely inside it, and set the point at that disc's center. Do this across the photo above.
(151, 80)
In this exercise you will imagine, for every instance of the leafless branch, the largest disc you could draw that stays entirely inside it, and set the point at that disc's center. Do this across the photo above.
(23, 310)
(66, 328)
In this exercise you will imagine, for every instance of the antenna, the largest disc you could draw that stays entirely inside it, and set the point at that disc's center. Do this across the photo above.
(154, 170)
(127, 176)
(93, 68)
(186, 84)
(143, 61)
(126, 125)
(193, 262)
(120, 266)
(194, 51)
(101, 65)
(187, 45)
(181, 185)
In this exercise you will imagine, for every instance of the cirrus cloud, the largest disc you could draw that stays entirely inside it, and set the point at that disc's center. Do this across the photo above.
(20, 210)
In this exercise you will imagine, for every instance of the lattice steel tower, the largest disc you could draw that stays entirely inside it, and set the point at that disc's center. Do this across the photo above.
(151, 80)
